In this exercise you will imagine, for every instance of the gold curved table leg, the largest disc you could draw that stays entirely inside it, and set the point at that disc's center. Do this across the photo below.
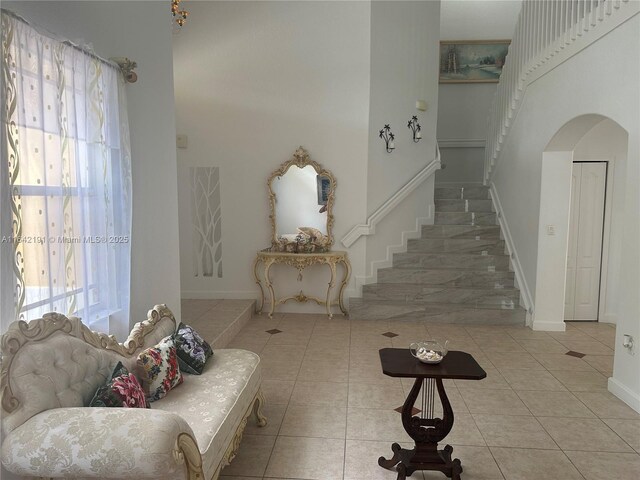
(345, 281)
(332, 267)
(259, 282)
(267, 269)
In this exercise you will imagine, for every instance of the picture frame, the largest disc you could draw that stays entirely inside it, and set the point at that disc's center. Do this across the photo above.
(472, 61)
(323, 187)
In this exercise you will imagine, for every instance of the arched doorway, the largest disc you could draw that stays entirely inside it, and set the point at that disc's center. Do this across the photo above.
(583, 141)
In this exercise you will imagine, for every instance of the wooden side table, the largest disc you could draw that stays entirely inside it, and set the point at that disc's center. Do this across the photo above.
(300, 261)
(426, 430)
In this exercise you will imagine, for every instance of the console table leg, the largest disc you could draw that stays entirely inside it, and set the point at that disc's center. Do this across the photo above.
(332, 267)
(345, 281)
(267, 269)
(259, 282)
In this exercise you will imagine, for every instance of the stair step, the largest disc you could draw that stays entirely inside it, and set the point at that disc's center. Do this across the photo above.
(434, 313)
(448, 205)
(467, 261)
(464, 218)
(446, 277)
(456, 245)
(470, 192)
(461, 231)
(418, 293)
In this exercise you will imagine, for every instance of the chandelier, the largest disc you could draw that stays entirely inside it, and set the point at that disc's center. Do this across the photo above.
(180, 16)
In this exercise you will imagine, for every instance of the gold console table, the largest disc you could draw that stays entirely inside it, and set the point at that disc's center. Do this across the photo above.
(300, 261)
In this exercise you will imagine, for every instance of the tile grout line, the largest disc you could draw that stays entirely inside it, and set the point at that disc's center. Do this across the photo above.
(346, 415)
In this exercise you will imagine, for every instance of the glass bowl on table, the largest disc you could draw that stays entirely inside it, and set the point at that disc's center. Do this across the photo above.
(430, 351)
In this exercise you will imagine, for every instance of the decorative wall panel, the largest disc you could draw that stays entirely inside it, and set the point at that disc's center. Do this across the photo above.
(206, 216)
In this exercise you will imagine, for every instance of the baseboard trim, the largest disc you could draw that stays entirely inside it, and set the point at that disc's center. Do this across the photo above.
(525, 292)
(391, 249)
(548, 326)
(215, 295)
(624, 393)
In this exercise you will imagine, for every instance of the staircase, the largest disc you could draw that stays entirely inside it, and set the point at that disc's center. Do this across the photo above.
(457, 272)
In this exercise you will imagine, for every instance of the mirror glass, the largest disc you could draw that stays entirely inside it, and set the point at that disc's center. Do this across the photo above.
(300, 200)
(301, 196)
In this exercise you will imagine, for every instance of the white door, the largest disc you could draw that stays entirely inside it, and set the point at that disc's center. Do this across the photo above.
(585, 240)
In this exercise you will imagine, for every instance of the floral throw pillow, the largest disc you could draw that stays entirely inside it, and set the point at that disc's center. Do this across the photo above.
(159, 370)
(122, 390)
(193, 350)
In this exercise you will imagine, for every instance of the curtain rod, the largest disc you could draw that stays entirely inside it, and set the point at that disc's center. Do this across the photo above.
(123, 64)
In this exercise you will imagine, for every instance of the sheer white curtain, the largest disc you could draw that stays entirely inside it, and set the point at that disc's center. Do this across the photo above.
(66, 202)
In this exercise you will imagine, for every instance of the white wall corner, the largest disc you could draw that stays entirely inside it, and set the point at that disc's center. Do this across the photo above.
(621, 391)
(514, 262)
(529, 318)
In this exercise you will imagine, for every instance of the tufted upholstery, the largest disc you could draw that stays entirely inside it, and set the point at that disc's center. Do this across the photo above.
(62, 369)
(63, 372)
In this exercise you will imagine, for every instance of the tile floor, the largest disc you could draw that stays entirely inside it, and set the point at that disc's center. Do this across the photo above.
(539, 414)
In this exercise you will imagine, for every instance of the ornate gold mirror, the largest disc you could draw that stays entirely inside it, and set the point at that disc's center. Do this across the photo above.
(301, 195)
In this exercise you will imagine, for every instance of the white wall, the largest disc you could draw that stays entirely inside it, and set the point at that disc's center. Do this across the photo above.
(404, 50)
(463, 108)
(140, 31)
(404, 59)
(253, 81)
(602, 79)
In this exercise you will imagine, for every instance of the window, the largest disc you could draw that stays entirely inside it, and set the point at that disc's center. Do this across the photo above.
(66, 174)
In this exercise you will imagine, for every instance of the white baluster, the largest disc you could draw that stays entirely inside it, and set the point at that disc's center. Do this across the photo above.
(566, 24)
(548, 21)
(587, 14)
(574, 19)
(526, 19)
(558, 34)
(540, 29)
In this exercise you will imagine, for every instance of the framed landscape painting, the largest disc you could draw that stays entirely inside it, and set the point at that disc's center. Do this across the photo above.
(470, 61)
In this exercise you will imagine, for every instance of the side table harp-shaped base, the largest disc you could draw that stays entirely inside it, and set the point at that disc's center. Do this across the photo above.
(425, 428)
(406, 465)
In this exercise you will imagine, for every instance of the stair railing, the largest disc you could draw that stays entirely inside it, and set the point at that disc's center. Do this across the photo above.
(547, 33)
(369, 228)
